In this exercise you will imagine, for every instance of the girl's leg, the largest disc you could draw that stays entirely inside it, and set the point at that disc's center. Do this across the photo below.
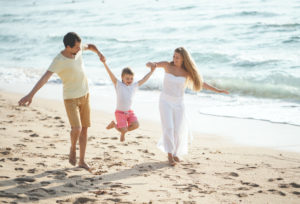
(123, 131)
(133, 126)
(111, 125)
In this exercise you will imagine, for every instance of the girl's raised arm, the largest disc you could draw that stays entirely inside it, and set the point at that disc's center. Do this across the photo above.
(111, 75)
(146, 77)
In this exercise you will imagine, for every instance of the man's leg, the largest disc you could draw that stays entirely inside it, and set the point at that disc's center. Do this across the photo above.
(85, 122)
(74, 134)
(82, 147)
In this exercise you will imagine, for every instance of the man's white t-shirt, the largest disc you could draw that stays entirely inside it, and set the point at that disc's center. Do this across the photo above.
(125, 95)
(71, 72)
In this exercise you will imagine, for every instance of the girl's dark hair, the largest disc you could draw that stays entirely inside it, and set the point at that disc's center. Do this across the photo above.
(127, 70)
(71, 38)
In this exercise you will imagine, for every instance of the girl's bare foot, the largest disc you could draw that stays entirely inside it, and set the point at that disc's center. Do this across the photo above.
(176, 158)
(171, 160)
(72, 157)
(85, 166)
(111, 125)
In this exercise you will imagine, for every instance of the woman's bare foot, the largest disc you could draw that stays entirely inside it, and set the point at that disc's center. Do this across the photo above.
(171, 160)
(111, 125)
(176, 158)
(122, 137)
(85, 166)
(72, 157)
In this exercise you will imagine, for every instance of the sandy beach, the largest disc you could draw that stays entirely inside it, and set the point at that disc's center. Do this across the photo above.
(34, 164)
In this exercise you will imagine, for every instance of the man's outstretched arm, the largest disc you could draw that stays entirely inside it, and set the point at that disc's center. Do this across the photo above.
(26, 100)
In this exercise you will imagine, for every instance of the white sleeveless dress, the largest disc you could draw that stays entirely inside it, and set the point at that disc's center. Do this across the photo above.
(174, 122)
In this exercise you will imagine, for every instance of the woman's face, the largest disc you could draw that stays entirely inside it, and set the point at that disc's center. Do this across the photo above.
(177, 59)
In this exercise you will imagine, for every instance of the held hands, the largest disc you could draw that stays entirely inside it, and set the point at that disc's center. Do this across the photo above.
(25, 101)
(151, 65)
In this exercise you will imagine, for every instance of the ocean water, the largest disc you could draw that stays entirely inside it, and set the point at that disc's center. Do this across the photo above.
(250, 48)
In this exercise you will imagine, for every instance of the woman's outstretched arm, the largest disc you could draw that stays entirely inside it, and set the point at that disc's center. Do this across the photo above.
(211, 88)
(162, 64)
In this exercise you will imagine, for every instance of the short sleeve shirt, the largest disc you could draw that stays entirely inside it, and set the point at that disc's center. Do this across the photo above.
(125, 95)
(71, 72)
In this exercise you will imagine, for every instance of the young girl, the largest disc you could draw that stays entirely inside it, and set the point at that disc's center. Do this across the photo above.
(179, 73)
(125, 90)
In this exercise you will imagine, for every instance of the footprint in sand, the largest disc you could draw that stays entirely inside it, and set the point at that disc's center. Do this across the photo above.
(228, 175)
(45, 183)
(275, 179)
(247, 168)
(19, 169)
(273, 191)
(40, 192)
(15, 159)
(58, 174)
(24, 179)
(116, 200)
(34, 135)
(242, 195)
(31, 171)
(99, 192)
(290, 185)
(19, 145)
(41, 164)
(26, 131)
(4, 194)
(69, 185)
(6, 151)
(249, 184)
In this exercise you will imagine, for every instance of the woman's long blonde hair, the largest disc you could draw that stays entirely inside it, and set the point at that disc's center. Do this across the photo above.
(194, 79)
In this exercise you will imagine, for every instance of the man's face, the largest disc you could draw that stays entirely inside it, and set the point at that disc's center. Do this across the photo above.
(74, 50)
(127, 79)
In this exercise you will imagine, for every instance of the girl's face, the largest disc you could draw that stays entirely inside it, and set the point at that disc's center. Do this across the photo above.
(177, 59)
(127, 79)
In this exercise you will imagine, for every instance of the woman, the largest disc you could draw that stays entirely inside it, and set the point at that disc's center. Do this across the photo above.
(179, 74)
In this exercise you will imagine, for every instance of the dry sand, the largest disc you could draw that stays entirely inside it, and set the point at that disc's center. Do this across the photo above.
(34, 164)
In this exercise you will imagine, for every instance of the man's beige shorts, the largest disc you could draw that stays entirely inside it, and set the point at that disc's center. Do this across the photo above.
(78, 111)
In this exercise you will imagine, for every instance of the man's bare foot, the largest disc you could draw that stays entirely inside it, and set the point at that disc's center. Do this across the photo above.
(72, 157)
(122, 137)
(176, 158)
(171, 160)
(111, 125)
(85, 166)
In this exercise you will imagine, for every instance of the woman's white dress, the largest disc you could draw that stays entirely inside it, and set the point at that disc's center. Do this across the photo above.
(174, 122)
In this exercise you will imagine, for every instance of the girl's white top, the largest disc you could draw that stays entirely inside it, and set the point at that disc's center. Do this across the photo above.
(125, 95)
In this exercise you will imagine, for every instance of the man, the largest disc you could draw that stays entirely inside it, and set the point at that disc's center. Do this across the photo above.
(68, 65)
